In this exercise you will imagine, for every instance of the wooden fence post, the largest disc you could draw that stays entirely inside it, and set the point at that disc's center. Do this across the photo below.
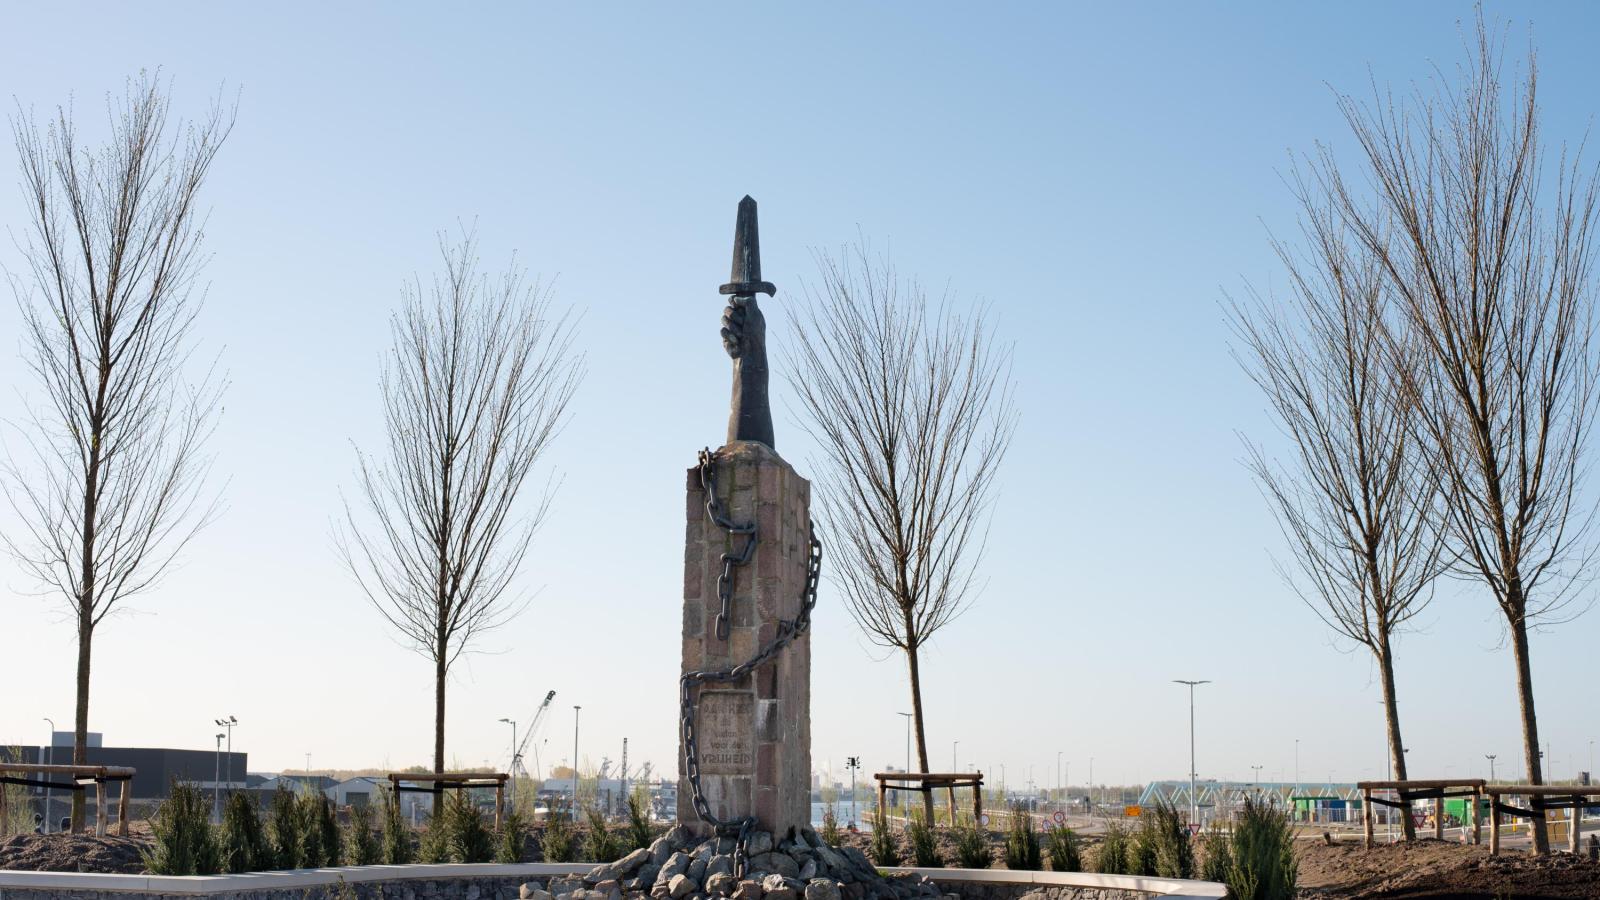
(1366, 818)
(1477, 816)
(1494, 824)
(1572, 829)
(122, 807)
(1438, 817)
(100, 803)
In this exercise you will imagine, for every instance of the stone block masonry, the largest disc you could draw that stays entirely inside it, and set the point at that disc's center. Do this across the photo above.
(753, 735)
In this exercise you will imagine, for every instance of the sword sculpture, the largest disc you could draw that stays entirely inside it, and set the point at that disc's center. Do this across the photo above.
(744, 333)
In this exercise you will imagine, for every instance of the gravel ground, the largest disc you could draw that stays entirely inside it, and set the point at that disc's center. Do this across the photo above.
(1440, 870)
(74, 853)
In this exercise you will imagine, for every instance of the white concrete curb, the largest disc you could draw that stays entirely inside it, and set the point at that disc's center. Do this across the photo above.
(200, 885)
(1174, 888)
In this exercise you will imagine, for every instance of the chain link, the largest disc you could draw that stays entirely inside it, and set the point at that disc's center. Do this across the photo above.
(787, 631)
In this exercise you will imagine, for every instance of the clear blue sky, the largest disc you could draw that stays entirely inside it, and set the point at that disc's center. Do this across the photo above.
(1100, 173)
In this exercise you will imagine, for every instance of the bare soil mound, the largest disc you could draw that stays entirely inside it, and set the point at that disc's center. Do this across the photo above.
(1440, 870)
(73, 853)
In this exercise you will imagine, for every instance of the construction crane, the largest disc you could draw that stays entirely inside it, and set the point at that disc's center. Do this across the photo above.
(517, 767)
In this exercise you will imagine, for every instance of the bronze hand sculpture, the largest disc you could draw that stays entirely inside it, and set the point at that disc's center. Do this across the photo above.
(744, 333)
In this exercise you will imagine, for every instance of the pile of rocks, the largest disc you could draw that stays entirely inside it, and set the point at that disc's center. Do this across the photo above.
(675, 867)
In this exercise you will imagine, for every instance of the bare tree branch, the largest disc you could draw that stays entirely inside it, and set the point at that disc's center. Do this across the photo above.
(1358, 503)
(1492, 268)
(109, 489)
(913, 408)
(474, 390)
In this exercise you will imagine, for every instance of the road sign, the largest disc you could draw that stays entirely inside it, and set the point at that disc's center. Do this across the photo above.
(1060, 817)
(1132, 812)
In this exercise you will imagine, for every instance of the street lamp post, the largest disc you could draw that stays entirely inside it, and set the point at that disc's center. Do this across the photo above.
(1061, 789)
(1297, 762)
(513, 724)
(1491, 757)
(227, 722)
(1091, 785)
(1194, 797)
(216, 783)
(50, 751)
(954, 766)
(576, 710)
(852, 763)
(908, 745)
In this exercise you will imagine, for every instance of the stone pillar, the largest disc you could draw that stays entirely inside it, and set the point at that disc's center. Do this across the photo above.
(754, 734)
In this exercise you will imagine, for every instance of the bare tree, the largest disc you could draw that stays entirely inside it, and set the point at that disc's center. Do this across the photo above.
(1492, 268)
(1358, 503)
(109, 488)
(474, 389)
(912, 407)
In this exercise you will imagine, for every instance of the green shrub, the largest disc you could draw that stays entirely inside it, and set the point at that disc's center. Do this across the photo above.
(284, 829)
(434, 844)
(1112, 857)
(972, 847)
(183, 842)
(244, 846)
(1164, 843)
(513, 840)
(319, 831)
(600, 845)
(469, 839)
(883, 849)
(1263, 865)
(1022, 842)
(396, 847)
(1063, 847)
(924, 843)
(559, 844)
(830, 833)
(1216, 856)
(640, 833)
(360, 844)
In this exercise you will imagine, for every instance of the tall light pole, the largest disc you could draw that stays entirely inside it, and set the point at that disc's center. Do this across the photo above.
(50, 751)
(1491, 757)
(1194, 796)
(228, 722)
(852, 763)
(513, 724)
(1061, 789)
(954, 766)
(908, 747)
(1091, 785)
(576, 710)
(1297, 762)
(216, 783)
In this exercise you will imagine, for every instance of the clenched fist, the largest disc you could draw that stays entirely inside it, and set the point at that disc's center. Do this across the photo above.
(744, 331)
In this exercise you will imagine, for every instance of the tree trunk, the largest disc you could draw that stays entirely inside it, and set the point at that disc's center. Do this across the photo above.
(1530, 722)
(1391, 715)
(916, 714)
(80, 726)
(441, 669)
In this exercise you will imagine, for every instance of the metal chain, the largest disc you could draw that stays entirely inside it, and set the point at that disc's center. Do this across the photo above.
(788, 630)
(708, 485)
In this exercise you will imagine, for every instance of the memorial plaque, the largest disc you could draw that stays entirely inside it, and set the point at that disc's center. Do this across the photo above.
(726, 731)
